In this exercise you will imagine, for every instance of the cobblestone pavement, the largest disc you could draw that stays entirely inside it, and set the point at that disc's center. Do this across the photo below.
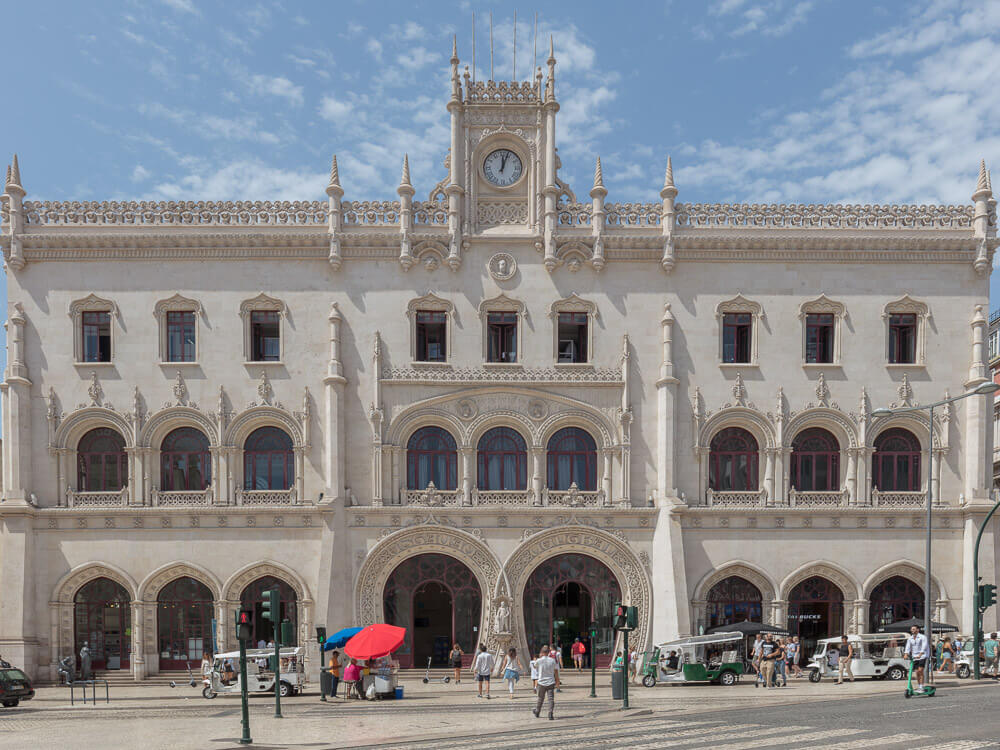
(860, 715)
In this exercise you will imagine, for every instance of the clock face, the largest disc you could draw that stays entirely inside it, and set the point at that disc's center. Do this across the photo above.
(503, 167)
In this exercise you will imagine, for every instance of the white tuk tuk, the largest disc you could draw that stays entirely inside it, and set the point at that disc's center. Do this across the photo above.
(876, 655)
(225, 676)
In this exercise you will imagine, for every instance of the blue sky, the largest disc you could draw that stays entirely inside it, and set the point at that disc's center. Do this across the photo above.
(757, 100)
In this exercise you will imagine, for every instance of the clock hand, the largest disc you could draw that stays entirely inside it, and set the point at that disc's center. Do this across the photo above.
(503, 162)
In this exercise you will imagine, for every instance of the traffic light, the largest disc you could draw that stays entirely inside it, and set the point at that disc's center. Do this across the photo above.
(269, 610)
(626, 618)
(987, 596)
(287, 633)
(244, 625)
(619, 619)
(320, 635)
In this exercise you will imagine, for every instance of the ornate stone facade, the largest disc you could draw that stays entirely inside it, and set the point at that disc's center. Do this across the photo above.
(618, 315)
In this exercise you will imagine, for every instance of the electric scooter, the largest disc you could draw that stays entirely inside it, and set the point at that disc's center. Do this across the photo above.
(192, 681)
(929, 690)
(427, 675)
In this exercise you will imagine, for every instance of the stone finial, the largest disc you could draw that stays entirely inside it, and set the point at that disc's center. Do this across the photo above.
(334, 187)
(983, 183)
(405, 178)
(454, 50)
(598, 174)
(14, 179)
(669, 189)
(6, 182)
(335, 312)
(552, 52)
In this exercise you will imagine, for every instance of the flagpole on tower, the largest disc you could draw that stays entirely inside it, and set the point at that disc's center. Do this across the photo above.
(491, 45)
(534, 45)
(473, 46)
(515, 45)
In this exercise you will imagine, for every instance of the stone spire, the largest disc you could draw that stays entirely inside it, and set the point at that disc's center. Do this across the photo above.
(14, 178)
(454, 50)
(982, 184)
(334, 187)
(404, 180)
(6, 182)
(550, 85)
(669, 189)
(598, 180)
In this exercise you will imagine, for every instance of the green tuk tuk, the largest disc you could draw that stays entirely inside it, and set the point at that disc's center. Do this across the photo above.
(713, 658)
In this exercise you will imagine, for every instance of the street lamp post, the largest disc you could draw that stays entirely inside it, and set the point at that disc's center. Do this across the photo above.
(984, 389)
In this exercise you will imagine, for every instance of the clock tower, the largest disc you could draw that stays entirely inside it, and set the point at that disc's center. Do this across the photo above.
(502, 178)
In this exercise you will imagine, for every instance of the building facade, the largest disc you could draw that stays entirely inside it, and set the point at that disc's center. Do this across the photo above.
(486, 416)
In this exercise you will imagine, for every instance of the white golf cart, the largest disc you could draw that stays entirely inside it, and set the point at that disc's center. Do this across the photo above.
(225, 677)
(711, 658)
(876, 655)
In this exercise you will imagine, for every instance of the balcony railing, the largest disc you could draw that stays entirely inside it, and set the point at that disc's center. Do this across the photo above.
(182, 497)
(266, 497)
(112, 499)
(503, 497)
(736, 498)
(898, 499)
(431, 496)
(574, 497)
(817, 499)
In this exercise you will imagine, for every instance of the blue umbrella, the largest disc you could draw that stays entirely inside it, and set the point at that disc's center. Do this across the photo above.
(340, 638)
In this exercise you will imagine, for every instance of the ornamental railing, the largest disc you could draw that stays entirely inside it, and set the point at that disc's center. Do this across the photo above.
(370, 212)
(182, 497)
(523, 92)
(238, 213)
(266, 497)
(574, 497)
(503, 497)
(898, 499)
(817, 499)
(840, 216)
(735, 498)
(430, 212)
(432, 497)
(575, 214)
(623, 215)
(75, 499)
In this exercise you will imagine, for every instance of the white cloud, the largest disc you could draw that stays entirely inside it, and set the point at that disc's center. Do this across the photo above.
(277, 86)
(210, 126)
(335, 110)
(374, 47)
(354, 28)
(767, 17)
(140, 173)
(242, 179)
(417, 57)
(185, 6)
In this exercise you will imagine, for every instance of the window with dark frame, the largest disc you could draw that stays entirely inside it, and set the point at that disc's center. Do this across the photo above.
(573, 337)
(180, 337)
(733, 461)
(96, 334)
(896, 461)
(736, 333)
(815, 465)
(265, 336)
(819, 338)
(903, 338)
(501, 337)
(431, 333)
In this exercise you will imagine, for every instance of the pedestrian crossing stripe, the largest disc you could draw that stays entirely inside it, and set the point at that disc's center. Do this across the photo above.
(758, 738)
(737, 732)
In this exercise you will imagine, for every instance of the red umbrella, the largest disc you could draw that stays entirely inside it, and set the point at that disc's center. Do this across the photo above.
(375, 641)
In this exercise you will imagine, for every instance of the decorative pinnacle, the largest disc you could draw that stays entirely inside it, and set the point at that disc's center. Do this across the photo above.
(334, 187)
(454, 50)
(983, 184)
(598, 174)
(6, 182)
(405, 179)
(669, 190)
(14, 179)
(552, 52)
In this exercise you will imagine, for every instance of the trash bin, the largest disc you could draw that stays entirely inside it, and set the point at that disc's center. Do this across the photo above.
(325, 681)
(617, 685)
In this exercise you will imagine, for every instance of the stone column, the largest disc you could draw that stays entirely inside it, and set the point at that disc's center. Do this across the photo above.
(666, 411)
(16, 398)
(466, 457)
(978, 418)
(606, 476)
(769, 474)
(861, 615)
(779, 612)
(138, 636)
(852, 479)
(536, 465)
(333, 414)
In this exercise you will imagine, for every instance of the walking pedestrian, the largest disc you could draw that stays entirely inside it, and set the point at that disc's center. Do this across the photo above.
(768, 653)
(633, 664)
(918, 650)
(548, 681)
(844, 662)
(792, 651)
(779, 663)
(511, 669)
(755, 658)
(533, 665)
(578, 650)
(334, 666)
(947, 656)
(482, 667)
(991, 651)
(455, 659)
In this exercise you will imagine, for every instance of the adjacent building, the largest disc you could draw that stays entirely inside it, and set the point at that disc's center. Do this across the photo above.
(488, 412)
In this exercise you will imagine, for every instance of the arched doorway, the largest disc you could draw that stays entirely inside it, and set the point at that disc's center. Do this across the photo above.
(563, 596)
(896, 598)
(184, 612)
(438, 600)
(732, 600)
(815, 610)
(102, 616)
(253, 598)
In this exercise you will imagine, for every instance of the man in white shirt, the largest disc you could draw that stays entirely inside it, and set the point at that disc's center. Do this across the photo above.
(917, 649)
(548, 681)
(482, 668)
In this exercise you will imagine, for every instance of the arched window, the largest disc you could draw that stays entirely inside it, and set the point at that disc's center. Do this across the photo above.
(572, 457)
(268, 460)
(894, 599)
(431, 456)
(733, 600)
(185, 463)
(101, 463)
(252, 598)
(733, 461)
(102, 618)
(503, 460)
(184, 612)
(815, 461)
(896, 461)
